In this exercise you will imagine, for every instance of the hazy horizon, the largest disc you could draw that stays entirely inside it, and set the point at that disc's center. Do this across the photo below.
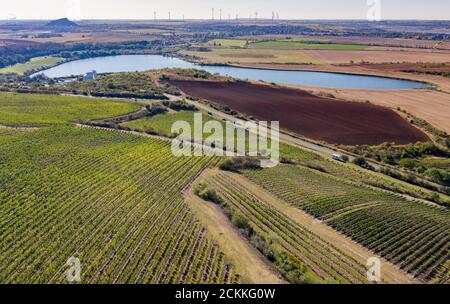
(194, 10)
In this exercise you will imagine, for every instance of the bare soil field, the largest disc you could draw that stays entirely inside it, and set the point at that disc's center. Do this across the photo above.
(94, 37)
(378, 56)
(324, 119)
(432, 106)
(395, 42)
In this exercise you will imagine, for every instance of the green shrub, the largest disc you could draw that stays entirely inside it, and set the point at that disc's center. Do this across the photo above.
(240, 163)
(208, 194)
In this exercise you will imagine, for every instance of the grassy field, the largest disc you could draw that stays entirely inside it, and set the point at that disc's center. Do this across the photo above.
(227, 42)
(306, 46)
(222, 55)
(163, 122)
(39, 110)
(57, 201)
(33, 64)
(412, 235)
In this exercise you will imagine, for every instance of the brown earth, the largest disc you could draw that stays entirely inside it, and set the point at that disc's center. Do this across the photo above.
(247, 56)
(319, 118)
(375, 55)
(432, 106)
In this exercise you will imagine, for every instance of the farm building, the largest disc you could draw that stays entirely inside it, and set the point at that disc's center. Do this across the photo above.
(90, 75)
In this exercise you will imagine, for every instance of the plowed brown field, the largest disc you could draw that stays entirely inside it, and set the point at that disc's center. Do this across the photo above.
(324, 119)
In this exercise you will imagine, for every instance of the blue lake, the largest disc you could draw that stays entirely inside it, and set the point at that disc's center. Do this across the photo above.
(131, 63)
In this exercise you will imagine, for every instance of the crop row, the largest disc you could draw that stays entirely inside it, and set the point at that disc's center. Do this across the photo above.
(110, 199)
(413, 235)
(324, 259)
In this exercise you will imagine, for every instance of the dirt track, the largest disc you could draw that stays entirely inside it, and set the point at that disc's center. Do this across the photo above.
(308, 115)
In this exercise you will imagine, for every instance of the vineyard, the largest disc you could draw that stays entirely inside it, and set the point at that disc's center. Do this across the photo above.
(39, 110)
(325, 262)
(111, 199)
(163, 122)
(412, 235)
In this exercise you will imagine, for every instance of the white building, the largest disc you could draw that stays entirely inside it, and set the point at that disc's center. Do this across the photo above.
(90, 75)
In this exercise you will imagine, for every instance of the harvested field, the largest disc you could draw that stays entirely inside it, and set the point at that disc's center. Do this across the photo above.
(252, 56)
(315, 117)
(378, 56)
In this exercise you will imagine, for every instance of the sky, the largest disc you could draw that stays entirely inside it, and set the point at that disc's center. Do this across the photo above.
(196, 9)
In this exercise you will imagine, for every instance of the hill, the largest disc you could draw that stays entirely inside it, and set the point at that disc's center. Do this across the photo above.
(62, 22)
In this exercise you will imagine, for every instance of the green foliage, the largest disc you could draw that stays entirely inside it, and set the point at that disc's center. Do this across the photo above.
(360, 161)
(239, 221)
(405, 232)
(237, 164)
(124, 85)
(179, 105)
(38, 110)
(191, 73)
(439, 176)
(300, 255)
(34, 64)
(163, 122)
(208, 194)
(109, 197)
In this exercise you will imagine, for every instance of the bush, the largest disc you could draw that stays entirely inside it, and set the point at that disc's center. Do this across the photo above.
(360, 161)
(179, 105)
(210, 195)
(240, 222)
(240, 163)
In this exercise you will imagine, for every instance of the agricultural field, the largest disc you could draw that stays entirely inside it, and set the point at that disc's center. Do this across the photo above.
(41, 110)
(378, 55)
(324, 262)
(163, 122)
(57, 202)
(289, 44)
(412, 235)
(121, 85)
(319, 118)
(252, 56)
(37, 63)
(228, 43)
